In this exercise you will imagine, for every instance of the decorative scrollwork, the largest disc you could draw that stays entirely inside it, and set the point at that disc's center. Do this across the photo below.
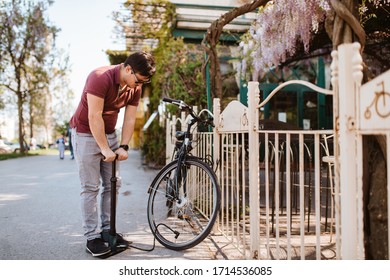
(244, 119)
(379, 102)
(221, 123)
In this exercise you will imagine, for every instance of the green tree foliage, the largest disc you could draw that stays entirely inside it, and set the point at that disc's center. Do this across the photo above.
(117, 57)
(178, 76)
(30, 64)
(61, 129)
(179, 73)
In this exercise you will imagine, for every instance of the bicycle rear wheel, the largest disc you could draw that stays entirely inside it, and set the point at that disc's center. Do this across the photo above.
(182, 223)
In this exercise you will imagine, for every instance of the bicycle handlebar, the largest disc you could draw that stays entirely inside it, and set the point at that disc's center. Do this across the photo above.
(184, 106)
(178, 103)
(169, 100)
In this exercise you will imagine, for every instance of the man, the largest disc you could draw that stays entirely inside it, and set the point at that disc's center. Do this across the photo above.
(95, 143)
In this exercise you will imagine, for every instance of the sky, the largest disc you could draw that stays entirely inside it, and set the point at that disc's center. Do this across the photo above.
(86, 33)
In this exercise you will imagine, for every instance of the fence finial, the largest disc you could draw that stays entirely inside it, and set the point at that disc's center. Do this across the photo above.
(357, 64)
(334, 67)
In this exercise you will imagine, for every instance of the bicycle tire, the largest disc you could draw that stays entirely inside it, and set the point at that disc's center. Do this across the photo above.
(193, 217)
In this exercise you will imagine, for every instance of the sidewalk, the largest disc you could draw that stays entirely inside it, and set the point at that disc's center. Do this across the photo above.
(40, 213)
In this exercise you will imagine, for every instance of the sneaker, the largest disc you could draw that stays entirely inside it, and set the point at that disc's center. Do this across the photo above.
(97, 247)
(120, 241)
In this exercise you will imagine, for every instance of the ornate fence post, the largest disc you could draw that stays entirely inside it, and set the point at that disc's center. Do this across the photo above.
(183, 117)
(168, 131)
(254, 183)
(172, 138)
(348, 158)
(195, 132)
(216, 146)
(335, 84)
(216, 138)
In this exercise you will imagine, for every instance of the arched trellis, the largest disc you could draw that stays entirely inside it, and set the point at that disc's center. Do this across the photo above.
(211, 40)
(344, 27)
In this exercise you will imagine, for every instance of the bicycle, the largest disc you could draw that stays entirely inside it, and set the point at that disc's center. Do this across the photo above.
(184, 197)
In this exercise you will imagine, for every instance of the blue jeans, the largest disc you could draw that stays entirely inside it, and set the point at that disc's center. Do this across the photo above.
(91, 170)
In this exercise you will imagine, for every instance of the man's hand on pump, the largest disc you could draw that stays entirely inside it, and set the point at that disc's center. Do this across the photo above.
(108, 155)
(122, 153)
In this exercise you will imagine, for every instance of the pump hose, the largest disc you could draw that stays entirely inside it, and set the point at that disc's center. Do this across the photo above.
(154, 240)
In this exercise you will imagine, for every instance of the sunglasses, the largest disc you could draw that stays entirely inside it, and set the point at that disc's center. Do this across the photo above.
(139, 82)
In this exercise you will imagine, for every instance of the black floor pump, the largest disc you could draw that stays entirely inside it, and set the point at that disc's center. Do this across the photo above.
(112, 236)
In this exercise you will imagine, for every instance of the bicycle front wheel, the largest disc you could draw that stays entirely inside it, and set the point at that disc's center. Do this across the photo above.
(182, 220)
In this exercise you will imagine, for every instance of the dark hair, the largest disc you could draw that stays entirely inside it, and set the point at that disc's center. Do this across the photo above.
(142, 63)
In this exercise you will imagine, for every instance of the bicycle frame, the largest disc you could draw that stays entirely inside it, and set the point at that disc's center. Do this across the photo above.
(185, 147)
(181, 157)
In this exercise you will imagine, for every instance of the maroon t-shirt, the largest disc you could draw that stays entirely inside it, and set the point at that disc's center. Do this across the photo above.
(104, 83)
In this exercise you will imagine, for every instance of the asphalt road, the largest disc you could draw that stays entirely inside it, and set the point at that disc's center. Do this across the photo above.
(40, 212)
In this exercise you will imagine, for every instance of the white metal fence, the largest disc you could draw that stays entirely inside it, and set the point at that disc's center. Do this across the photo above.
(286, 194)
(295, 207)
(279, 185)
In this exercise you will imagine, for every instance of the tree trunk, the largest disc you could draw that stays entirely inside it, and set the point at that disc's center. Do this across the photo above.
(375, 201)
(21, 121)
(211, 40)
(20, 100)
(31, 112)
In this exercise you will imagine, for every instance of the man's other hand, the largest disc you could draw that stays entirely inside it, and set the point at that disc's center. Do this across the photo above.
(122, 154)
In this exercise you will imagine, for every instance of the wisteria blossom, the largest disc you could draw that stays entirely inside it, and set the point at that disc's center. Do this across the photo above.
(280, 25)
(277, 28)
(379, 3)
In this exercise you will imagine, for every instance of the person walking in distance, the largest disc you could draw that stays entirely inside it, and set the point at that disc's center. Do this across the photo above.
(95, 143)
(69, 135)
(61, 146)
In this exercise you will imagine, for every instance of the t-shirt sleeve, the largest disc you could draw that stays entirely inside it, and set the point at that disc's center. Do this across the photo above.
(97, 84)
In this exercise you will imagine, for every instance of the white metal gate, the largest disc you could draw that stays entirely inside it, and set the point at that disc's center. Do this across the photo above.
(291, 202)
(298, 194)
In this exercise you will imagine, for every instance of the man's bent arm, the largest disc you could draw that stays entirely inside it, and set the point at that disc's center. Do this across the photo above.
(96, 125)
(127, 130)
(128, 124)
